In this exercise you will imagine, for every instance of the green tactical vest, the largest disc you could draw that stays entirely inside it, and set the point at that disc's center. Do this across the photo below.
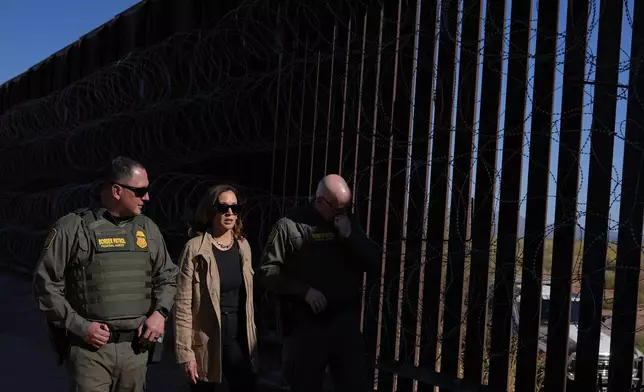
(114, 283)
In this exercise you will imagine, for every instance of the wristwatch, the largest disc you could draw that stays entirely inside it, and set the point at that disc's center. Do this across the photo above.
(164, 312)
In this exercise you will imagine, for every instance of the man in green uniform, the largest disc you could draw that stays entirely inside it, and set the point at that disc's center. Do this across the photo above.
(106, 284)
(314, 260)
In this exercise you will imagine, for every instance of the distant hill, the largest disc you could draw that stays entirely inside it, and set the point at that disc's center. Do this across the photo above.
(579, 232)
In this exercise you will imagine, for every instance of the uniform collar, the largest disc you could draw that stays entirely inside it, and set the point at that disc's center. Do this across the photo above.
(102, 212)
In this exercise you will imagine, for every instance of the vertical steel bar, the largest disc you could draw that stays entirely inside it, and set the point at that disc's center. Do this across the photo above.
(360, 185)
(285, 146)
(181, 14)
(563, 245)
(34, 78)
(326, 44)
(631, 212)
(598, 200)
(442, 141)
(416, 26)
(127, 30)
(512, 165)
(380, 178)
(402, 22)
(483, 206)
(537, 199)
(461, 186)
(313, 179)
(342, 155)
(4, 96)
(426, 48)
(303, 53)
(352, 137)
(332, 99)
(390, 135)
(369, 102)
(325, 41)
(337, 99)
(276, 116)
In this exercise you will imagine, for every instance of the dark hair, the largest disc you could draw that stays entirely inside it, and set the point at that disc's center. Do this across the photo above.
(120, 170)
(206, 212)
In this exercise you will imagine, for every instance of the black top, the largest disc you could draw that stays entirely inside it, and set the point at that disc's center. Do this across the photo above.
(230, 277)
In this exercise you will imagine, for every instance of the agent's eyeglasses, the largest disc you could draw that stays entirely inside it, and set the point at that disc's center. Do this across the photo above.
(139, 192)
(223, 208)
(339, 211)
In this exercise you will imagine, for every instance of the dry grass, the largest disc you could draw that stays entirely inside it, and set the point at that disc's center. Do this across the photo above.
(547, 268)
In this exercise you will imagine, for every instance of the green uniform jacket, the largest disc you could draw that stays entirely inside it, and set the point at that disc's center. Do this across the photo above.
(61, 250)
(305, 251)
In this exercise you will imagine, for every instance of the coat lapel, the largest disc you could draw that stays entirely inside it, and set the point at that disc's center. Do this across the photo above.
(212, 281)
(213, 284)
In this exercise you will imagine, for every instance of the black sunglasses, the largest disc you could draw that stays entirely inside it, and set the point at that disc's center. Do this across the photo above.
(223, 208)
(138, 192)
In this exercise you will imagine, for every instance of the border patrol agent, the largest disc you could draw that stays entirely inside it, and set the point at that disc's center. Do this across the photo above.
(106, 284)
(314, 260)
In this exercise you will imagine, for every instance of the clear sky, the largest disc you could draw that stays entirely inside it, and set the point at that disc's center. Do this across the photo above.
(31, 30)
(621, 112)
(587, 120)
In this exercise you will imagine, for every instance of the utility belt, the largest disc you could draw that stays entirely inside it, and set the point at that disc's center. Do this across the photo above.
(62, 342)
(120, 336)
(116, 336)
(132, 335)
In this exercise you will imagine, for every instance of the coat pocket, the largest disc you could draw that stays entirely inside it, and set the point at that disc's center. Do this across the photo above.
(199, 338)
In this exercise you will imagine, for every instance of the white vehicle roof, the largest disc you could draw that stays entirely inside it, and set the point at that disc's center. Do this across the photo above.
(545, 292)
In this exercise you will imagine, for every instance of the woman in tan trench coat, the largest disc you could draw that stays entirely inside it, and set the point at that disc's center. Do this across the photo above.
(216, 339)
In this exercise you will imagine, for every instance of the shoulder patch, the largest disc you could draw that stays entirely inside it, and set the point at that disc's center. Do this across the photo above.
(271, 235)
(50, 238)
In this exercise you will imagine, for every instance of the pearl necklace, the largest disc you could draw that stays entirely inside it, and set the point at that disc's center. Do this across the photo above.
(225, 246)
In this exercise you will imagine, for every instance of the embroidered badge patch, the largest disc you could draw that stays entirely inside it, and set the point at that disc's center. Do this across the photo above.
(141, 242)
(271, 236)
(111, 242)
(323, 236)
(50, 238)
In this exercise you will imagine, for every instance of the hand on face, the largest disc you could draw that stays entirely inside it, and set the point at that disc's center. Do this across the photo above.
(333, 197)
(342, 223)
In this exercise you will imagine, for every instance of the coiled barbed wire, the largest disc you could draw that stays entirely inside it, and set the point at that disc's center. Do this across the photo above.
(203, 104)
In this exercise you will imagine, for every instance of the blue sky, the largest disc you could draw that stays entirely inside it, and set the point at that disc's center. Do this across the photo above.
(621, 114)
(621, 111)
(31, 30)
